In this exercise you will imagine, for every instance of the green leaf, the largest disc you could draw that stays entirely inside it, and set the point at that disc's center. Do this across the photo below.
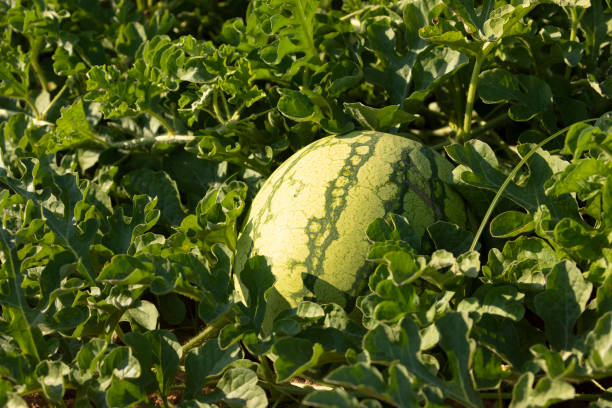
(498, 85)
(9, 398)
(523, 261)
(123, 393)
(381, 119)
(393, 229)
(359, 376)
(450, 38)
(166, 354)
(123, 230)
(562, 302)
(511, 340)
(51, 376)
(450, 237)
(206, 361)
(295, 105)
(143, 313)
(469, 14)
(604, 295)
(545, 393)
(88, 358)
(309, 310)
(74, 127)
(395, 301)
(126, 269)
(14, 78)
(485, 25)
(72, 225)
(337, 398)
(413, 69)
(120, 363)
(397, 64)
(157, 184)
(14, 304)
(572, 3)
(433, 66)
(582, 137)
(504, 301)
(587, 178)
(402, 266)
(172, 308)
(295, 356)
(601, 403)
(402, 343)
(599, 343)
(69, 318)
(400, 387)
(552, 362)
(454, 339)
(256, 280)
(238, 388)
(488, 369)
(67, 63)
(467, 264)
(579, 239)
(479, 168)
(290, 26)
(510, 224)
(194, 175)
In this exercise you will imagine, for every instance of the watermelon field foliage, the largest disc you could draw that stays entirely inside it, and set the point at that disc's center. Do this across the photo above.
(135, 134)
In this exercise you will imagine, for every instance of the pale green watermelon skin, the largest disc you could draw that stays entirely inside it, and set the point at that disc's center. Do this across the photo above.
(310, 217)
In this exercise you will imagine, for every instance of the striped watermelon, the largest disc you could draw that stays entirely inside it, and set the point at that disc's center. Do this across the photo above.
(310, 216)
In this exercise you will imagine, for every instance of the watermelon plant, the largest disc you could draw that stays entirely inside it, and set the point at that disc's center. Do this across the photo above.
(328, 203)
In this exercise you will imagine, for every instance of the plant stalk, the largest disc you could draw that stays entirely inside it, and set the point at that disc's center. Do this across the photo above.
(144, 141)
(209, 332)
(573, 34)
(490, 124)
(471, 97)
(35, 49)
(56, 98)
(511, 176)
(216, 109)
(161, 120)
(226, 108)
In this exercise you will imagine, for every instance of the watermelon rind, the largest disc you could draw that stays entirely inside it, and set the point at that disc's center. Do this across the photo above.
(310, 216)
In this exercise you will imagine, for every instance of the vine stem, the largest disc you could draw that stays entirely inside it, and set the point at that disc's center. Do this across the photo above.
(32, 106)
(448, 131)
(226, 108)
(209, 332)
(161, 120)
(511, 176)
(573, 34)
(471, 97)
(216, 109)
(170, 138)
(56, 98)
(35, 49)
(490, 124)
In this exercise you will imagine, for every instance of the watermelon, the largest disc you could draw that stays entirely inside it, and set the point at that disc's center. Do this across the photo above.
(310, 217)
